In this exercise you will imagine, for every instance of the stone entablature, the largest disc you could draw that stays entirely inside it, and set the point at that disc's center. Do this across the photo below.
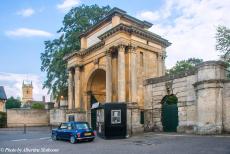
(203, 101)
(130, 30)
(115, 16)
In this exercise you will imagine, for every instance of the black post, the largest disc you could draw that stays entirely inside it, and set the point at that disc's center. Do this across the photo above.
(131, 121)
(50, 127)
(152, 118)
(24, 129)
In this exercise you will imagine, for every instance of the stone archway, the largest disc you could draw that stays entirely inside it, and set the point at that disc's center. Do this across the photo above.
(96, 84)
(169, 114)
(96, 92)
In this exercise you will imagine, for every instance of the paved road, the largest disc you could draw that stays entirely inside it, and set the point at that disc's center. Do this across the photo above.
(148, 143)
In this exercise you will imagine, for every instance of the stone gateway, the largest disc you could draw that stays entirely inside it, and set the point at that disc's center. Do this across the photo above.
(203, 99)
(121, 61)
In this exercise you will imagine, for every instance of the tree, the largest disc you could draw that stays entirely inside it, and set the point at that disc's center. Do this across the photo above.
(184, 65)
(223, 42)
(76, 21)
(223, 45)
(13, 103)
(37, 106)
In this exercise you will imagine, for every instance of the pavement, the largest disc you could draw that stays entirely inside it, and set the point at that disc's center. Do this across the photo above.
(147, 143)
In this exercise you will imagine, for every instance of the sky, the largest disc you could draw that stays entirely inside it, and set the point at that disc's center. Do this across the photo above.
(190, 25)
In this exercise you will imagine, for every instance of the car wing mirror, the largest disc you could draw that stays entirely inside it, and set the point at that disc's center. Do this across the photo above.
(59, 127)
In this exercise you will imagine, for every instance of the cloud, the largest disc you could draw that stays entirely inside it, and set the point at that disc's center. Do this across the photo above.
(13, 85)
(191, 26)
(26, 12)
(68, 4)
(148, 15)
(27, 32)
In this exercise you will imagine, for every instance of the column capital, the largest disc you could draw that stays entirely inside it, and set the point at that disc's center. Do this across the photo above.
(89, 92)
(78, 67)
(108, 51)
(132, 45)
(132, 48)
(70, 69)
(121, 47)
(162, 56)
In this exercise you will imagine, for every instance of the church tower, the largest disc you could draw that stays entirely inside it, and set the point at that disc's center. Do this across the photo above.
(27, 92)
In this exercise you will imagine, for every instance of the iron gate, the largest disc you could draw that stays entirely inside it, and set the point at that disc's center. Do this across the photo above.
(93, 112)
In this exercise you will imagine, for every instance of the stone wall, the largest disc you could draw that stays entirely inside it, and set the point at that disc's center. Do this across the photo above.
(58, 116)
(183, 89)
(201, 94)
(133, 119)
(226, 107)
(78, 116)
(30, 117)
(33, 117)
(2, 106)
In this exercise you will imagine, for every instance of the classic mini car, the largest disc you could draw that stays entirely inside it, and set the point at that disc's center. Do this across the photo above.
(74, 132)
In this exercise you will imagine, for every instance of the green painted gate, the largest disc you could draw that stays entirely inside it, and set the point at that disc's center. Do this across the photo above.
(93, 112)
(170, 114)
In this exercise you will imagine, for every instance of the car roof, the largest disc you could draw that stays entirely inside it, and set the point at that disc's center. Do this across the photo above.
(76, 122)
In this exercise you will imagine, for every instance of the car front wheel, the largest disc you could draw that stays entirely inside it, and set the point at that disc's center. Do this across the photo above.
(54, 137)
(72, 139)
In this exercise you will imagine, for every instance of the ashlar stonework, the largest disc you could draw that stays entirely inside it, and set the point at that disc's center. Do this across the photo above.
(203, 99)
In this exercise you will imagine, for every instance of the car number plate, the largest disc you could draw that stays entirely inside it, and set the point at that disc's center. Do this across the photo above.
(87, 134)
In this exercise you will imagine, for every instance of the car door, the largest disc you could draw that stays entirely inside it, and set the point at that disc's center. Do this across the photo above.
(68, 131)
(61, 131)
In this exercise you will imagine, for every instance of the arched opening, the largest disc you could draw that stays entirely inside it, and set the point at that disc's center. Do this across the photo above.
(169, 114)
(96, 91)
(97, 84)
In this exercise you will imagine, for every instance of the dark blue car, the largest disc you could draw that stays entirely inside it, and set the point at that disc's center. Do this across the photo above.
(74, 132)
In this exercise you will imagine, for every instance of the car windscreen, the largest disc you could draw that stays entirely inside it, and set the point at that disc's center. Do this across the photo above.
(63, 126)
(82, 126)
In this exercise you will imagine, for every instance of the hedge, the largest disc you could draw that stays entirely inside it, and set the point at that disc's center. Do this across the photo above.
(2, 119)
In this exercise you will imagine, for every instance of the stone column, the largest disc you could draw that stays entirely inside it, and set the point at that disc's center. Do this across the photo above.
(70, 89)
(163, 62)
(108, 76)
(133, 74)
(77, 87)
(159, 64)
(121, 73)
(209, 97)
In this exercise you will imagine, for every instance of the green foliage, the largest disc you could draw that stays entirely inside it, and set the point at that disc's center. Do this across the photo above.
(223, 42)
(3, 119)
(223, 45)
(184, 65)
(13, 103)
(37, 106)
(75, 22)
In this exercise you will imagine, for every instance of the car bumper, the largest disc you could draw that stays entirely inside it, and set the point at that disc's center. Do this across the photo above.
(86, 138)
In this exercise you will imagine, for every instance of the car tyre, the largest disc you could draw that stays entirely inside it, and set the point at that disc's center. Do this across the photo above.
(91, 140)
(72, 140)
(54, 137)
